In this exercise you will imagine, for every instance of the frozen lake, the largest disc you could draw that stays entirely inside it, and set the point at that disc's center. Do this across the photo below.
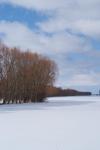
(64, 123)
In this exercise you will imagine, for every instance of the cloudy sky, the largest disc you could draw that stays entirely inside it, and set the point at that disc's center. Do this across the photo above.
(67, 31)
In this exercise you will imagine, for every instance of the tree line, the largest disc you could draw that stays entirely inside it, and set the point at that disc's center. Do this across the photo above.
(24, 76)
(57, 91)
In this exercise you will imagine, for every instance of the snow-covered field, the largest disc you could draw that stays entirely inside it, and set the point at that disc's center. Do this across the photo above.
(65, 123)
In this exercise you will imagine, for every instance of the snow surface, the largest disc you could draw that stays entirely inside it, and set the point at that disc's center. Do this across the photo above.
(65, 123)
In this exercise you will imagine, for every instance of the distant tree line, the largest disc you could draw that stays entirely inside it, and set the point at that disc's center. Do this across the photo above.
(57, 91)
(24, 76)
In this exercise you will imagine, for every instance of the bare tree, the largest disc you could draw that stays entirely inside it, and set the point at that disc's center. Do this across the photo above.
(24, 76)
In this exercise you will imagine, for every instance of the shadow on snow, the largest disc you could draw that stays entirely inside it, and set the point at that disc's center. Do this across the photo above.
(41, 106)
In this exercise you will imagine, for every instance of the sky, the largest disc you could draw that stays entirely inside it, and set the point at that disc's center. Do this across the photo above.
(67, 31)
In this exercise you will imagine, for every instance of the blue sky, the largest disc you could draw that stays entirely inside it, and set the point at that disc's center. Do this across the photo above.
(67, 31)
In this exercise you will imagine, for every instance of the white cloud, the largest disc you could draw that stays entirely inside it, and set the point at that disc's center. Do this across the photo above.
(75, 15)
(17, 34)
(91, 79)
(55, 4)
(38, 4)
(87, 27)
(78, 17)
